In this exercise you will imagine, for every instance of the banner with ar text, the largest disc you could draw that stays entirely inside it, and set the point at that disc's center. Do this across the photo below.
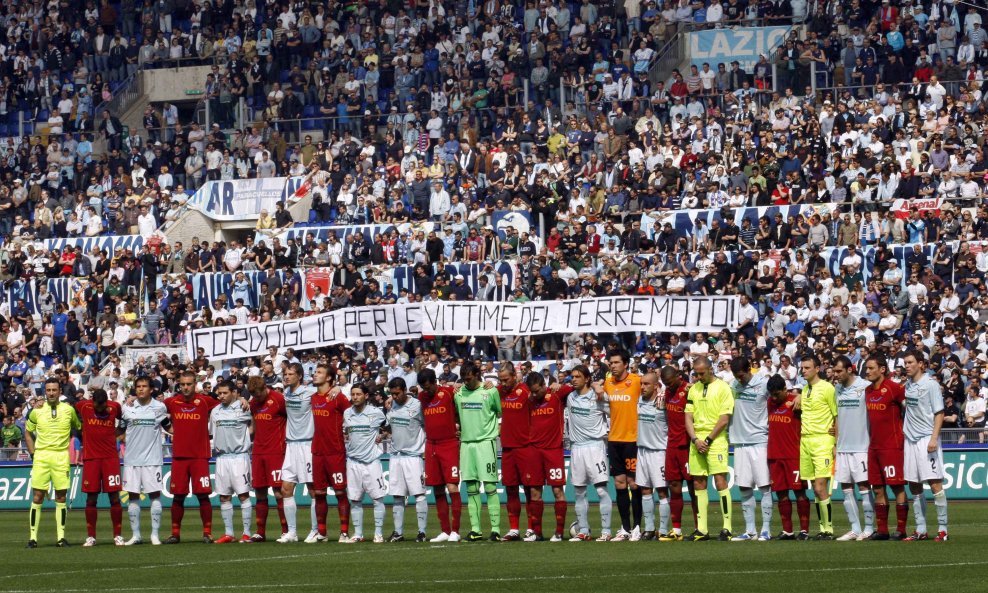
(450, 318)
(903, 208)
(744, 44)
(111, 244)
(242, 199)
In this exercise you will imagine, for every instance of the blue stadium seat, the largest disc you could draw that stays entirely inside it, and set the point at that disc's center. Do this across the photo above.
(43, 115)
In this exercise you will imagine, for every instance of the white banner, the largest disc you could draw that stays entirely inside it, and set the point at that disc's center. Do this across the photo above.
(242, 199)
(399, 322)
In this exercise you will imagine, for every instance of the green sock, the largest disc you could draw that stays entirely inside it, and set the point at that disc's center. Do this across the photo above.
(35, 520)
(60, 520)
(473, 508)
(826, 517)
(493, 507)
(702, 508)
(725, 507)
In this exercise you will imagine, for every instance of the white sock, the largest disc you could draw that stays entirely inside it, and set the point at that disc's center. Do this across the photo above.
(648, 512)
(357, 518)
(155, 516)
(379, 516)
(313, 520)
(664, 515)
(605, 509)
(582, 508)
(868, 510)
(246, 514)
(291, 508)
(134, 514)
(767, 506)
(919, 510)
(940, 500)
(226, 511)
(748, 509)
(398, 511)
(422, 512)
(851, 507)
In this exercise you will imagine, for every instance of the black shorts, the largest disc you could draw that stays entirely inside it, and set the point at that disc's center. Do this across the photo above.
(622, 457)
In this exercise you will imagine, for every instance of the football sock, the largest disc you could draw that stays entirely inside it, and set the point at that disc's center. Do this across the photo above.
(91, 516)
(134, 514)
(882, 516)
(116, 515)
(473, 505)
(493, 506)
(535, 510)
(357, 517)
(246, 514)
(919, 510)
(178, 512)
(767, 504)
(456, 510)
(379, 516)
(868, 510)
(398, 513)
(322, 509)
(313, 516)
(748, 509)
(785, 511)
(823, 511)
(290, 510)
(851, 508)
(421, 512)
(262, 507)
(280, 506)
(702, 508)
(226, 511)
(206, 513)
(155, 517)
(35, 520)
(663, 515)
(636, 506)
(648, 512)
(582, 508)
(676, 509)
(725, 507)
(442, 509)
(60, 516)
(624, 507)
(514, 506)
(343, 509)
(901, 516)
(560, 507)
(940, 501)
(803, 510)
(605, 508)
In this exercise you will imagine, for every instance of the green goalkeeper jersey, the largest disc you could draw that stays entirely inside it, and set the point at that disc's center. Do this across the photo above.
(479, 410)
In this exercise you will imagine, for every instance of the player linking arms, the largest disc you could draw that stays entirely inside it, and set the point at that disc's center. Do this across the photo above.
(852, 448)
(270, 417)
(407, 468)
(362, 426)
(653, 431)
(229, 424)
(886, 401)
(784, 428)
(587, 408)
(548, 405)
(100, 461)
(923, 456)
(328, 453)
(442, 453)
(143, 419)
(818, 404)
(478, 410)
(749, 435)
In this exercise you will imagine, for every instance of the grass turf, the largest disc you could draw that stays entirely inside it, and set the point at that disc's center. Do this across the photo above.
(958, 565)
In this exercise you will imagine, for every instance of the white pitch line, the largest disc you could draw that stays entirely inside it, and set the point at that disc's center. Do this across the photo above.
(169, 588)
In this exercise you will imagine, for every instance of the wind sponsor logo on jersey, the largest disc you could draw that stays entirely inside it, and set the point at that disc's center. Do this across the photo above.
(781, 418)
(512, 405)
(187, 416)
(544, 411)
(619, 397)
(433, 410)
(101, 421)
(262, 416)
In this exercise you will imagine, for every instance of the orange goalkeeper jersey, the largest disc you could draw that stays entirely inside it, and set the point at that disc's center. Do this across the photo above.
(623, 397)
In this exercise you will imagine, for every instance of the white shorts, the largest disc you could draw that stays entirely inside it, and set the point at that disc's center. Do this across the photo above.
(919, 465)
(851, 468)
(142, 478)
(297, 467)
(406, 476)
(751, 466)
(365, 478)
(588, 465)
(650, 471)
(232, 475)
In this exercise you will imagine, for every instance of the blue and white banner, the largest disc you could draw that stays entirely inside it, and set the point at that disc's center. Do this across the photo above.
(242, 199)
(111, 243)
(684, 221)
(343, 232)
(207, 287)
(521, 221)
(63, 290)
(744, 44)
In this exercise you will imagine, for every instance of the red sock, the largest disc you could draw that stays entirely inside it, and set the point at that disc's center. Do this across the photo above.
(442, 509)
(560, 507)
(116, 516)
(457, 504)
(882, 517)
(206, 515)
(322, 509)
(91, 516)
(535, 510)
(901, 515)
(803, 510)
(261, 509)
(514, 507)
(343, 508)
(281, 515)
(785, 511)
(178, 511)
(676, 509)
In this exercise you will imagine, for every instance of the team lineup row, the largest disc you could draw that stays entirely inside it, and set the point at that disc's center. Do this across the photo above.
(653, 434)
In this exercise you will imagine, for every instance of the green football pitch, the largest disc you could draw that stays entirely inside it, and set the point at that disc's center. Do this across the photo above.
(956, 566)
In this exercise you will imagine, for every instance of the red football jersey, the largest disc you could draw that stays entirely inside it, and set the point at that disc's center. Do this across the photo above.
(270, 418)
(440, 414)
(327, 414)
(516, 416)
(547, 419)
(99, 431)
(885, 414)
(190, 425)
(784, 428)
(676, 417)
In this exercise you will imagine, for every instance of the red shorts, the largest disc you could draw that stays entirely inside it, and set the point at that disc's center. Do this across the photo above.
(676, 460)
(520, 467)
(550, 466)
(442, 463)
(101, 475)
(784, 474)
(195, 471)
(265, 471)
(329, 471)
(885, 467)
